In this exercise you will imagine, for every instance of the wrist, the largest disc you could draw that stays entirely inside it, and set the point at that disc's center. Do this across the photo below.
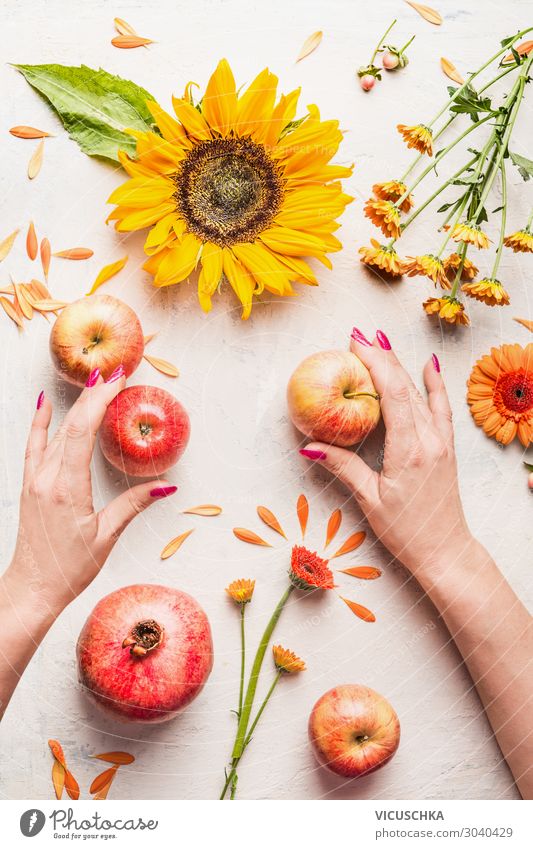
(462, 557)
(30, 596)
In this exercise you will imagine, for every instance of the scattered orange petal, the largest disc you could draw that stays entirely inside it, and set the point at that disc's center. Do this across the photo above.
(174, 544)
(269, 519)
(71, 785)
(334, 524)
(362, 612)
(36, 161)
(46, 253)
(104, 778)
(118, 758)
(522, 49)
(32, 246)
(366, 573)
(107, 272)
(427, 13)
(58, 778)
(57, 751)
(451, 71)
(309, 45)
(162, 365)
(249, 536)
(127, 42)
(7, 243)
(205, 510)
(49, 305)
(149, 337)
(123, 27)
(302, 509)
(11, 311)
(525, 323)
(104, 791)
(74, 253)
(353, 542)
(22, 132)
(25, 307)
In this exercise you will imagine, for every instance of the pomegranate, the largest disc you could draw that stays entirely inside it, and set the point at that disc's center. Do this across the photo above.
(145, 652)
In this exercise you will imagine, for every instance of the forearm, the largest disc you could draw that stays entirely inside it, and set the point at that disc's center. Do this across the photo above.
(25, 622)
(494, 633)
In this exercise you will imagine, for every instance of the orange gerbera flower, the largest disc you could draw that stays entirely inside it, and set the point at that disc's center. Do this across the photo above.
(393, 190)
(241, 590)
(449, 309)
(428, 266)
(417, 136)
(382, 256)
(520, 242)
(500, 393)
(309, 571)
(470, 234)
(491, 292)
(287, 661)
(452, 263)
(384, 215)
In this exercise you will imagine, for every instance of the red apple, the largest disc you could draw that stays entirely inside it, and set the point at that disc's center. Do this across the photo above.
(332, 399)
(145, 431)
(353, 730)
(96, 331)
(145, 652)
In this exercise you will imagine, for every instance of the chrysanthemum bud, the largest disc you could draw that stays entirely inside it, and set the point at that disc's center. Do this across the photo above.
(367, 82)
(390, 60)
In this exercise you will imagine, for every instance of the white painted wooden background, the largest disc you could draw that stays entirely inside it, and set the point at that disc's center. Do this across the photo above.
(243, 450)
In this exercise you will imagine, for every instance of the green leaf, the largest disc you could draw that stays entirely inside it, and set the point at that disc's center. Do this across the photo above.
(505, 42)
(529, 467)
(94, 106)
(524, 165)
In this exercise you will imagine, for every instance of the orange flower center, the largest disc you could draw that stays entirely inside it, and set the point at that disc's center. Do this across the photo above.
(515, 391)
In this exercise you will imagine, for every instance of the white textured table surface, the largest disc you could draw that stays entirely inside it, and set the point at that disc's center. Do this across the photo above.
(243, 449)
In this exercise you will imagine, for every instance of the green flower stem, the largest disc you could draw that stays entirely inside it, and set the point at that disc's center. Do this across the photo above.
(406, 45)
(244, 718)
(266, 700)
(497, 258)
(462, 249)
(243, 659)
(380, 42)
(529, 222)
(457, 215)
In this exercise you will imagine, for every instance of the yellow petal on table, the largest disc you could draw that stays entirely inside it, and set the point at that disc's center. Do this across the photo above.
(427, 13)
(32, 245)
(525, 323)
(162, 365)
(269, 519)
(58, 778)
(451, 71)
(11, 311)
(174, 544)
(249, 536)
(74, 253)
(107, 272)
(310, 44)
(49, 305)
(149, 337)
(127, 42)
(7, 243)
(26, 307)
(23, 132)
(123, 27)
(36, 161)
(204, 510)
(46, 253)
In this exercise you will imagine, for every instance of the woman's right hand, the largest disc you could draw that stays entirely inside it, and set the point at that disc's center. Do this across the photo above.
(413, 504)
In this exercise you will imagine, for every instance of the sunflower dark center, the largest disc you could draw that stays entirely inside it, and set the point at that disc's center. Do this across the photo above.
(228, 190)
(516, 391)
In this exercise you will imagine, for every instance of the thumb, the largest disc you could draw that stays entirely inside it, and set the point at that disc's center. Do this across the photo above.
(348, 467)
(117, 515)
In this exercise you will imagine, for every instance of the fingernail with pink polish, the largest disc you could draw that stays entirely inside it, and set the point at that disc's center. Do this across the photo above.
(383, 341)
(311, 454)
(116, 375)
(357, 336)
(163, 491)
(40, 399)
(93, 377)
(436, 364)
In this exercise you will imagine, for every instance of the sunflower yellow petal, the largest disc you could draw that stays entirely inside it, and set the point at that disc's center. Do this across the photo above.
(194, 123)
(136, 219)
(170, 129)
(141, 192)
(210, 274)
(264, 267)
(179, 262)
(255, 106)
(219, 103)
(159, 234)
(240, 281)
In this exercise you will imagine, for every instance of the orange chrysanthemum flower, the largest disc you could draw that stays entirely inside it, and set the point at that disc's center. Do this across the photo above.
(287, 661)
(500, 393)
(382, 256)
(309, 571)
(384, 215)
(428, 266)
(520, 242)
(452, 263)
(470, 234)
(491, 292)
(449, 309)
(241, 590)
(393, 190)
(417, 136)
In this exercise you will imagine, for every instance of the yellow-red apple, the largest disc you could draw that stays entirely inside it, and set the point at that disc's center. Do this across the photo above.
(332, 399)
(98, 331)
(353, 730)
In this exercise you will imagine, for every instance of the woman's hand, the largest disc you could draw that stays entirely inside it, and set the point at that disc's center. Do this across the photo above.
(62, 541)
(413, 504)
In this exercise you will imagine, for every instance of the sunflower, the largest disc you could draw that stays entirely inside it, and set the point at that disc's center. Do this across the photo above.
(453, 261)
(447, 308)
(418, 136)
(520, 242)
(500, 393)
(287, 661)
(241, 590)
(470, 234)
(382, 256)
(426, 265)
(490, 291)
(236, 187)
(384, 215)
(394, 190)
